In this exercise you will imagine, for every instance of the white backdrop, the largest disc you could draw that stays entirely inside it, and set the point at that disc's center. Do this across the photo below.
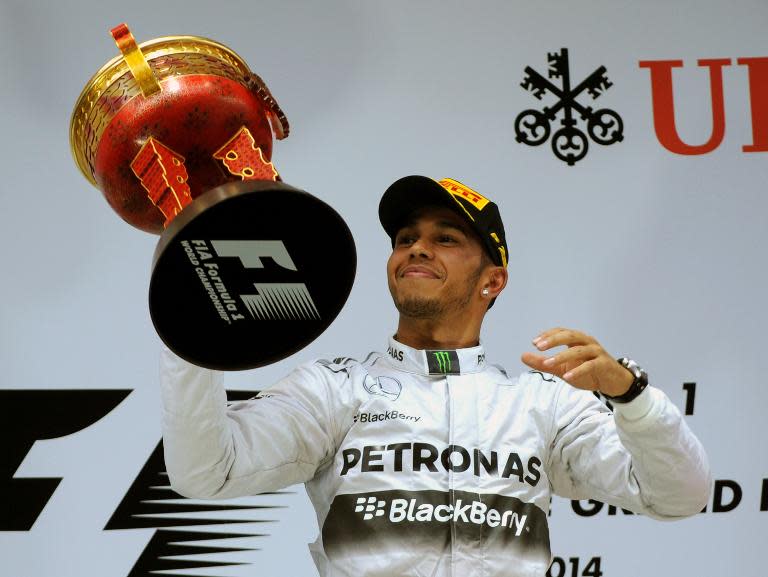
(660, 255)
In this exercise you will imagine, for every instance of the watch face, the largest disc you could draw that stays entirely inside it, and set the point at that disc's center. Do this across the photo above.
(633, 368)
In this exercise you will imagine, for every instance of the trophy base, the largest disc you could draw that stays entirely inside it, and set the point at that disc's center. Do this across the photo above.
(248, 274)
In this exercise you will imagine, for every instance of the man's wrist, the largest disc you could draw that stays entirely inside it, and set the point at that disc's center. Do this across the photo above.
(637, 386)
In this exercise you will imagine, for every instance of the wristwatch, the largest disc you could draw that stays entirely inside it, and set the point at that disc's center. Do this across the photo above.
(638, 384)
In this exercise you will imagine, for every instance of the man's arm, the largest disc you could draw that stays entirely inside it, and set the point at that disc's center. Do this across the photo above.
(213, 450)
(643, 458)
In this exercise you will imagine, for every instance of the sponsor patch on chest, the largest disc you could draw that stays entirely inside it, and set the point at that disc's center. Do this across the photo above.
(374, 417)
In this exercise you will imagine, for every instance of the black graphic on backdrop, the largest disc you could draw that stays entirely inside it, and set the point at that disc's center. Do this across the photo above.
(30, 415)
(163, 550)
(148, 495)
(726, 496)
(560, 567)
(27, 416)
(764, 496)
(690, 397)
(569, 143)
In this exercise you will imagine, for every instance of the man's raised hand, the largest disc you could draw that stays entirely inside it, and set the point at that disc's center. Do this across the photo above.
(584, 364)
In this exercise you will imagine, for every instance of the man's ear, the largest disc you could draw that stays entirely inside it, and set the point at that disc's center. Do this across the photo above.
(496, 280)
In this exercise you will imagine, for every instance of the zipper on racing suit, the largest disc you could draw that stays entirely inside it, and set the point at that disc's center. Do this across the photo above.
(451, 488)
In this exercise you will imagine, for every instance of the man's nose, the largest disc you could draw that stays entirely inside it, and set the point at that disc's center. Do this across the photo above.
(422, 248)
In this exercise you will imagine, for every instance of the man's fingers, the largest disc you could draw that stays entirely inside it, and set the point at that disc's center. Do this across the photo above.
(561, 336)
(535, 361)
(574, 354)
(584, 364)
(580, 376)
(545, 335)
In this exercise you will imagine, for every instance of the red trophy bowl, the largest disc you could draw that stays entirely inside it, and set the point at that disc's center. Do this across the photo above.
(177, 134)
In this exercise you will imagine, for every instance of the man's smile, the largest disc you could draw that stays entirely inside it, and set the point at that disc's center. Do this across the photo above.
(418, 271)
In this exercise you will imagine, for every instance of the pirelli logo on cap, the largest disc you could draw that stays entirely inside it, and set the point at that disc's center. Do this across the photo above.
(461, 191)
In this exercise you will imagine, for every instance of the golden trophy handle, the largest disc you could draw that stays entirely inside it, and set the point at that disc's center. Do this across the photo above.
(135, 60)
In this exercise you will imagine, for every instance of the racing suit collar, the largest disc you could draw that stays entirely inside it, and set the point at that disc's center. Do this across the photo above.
(435, 361)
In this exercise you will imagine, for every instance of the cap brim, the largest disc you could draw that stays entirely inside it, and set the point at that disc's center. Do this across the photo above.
(409, 194)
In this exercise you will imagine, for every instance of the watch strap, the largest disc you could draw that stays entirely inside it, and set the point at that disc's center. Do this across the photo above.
(639, 383)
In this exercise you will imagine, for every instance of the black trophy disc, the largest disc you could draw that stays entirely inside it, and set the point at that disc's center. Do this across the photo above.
(249, 273)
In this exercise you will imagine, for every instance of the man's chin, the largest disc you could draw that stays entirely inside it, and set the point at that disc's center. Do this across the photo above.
(419, 307)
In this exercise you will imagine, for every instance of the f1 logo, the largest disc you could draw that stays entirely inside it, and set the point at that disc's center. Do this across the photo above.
(250, 252)
(274, 301)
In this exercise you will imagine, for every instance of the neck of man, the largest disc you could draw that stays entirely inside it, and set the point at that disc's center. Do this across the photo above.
(443, 333)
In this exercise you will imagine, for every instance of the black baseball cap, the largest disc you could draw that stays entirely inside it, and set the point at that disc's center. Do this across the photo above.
(411, 193)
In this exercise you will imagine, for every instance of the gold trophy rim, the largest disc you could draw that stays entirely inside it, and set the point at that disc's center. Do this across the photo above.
(117, 67)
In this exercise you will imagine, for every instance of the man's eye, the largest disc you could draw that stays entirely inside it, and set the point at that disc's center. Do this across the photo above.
(404, 239)
(447, 238)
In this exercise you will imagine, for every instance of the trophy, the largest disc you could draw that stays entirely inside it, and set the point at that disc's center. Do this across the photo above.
(177, 134)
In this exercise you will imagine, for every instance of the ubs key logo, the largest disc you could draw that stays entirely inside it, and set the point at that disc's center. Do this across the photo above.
(569, 143)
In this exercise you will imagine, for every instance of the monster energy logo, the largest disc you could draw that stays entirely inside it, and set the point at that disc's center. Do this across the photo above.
(443, 362)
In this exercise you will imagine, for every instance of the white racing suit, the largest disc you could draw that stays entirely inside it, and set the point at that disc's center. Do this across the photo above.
(429, 463)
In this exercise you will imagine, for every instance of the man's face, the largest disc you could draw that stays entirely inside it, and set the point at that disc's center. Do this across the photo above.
(436, 264)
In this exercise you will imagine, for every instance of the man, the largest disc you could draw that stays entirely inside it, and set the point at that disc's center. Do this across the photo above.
(426, 459)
